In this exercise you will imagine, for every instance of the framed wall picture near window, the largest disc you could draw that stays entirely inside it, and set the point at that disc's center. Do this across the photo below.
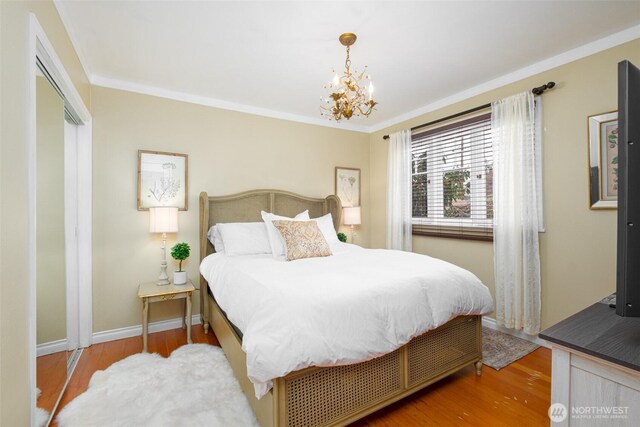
(162, 180)
(603, 160)
(348, 186)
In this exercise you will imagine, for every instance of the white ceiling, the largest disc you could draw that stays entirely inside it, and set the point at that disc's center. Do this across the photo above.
(273, 58)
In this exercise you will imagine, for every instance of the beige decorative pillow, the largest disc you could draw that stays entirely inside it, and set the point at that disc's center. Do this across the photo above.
(303, 239)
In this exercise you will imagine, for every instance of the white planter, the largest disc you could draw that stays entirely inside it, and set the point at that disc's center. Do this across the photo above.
(179, 277)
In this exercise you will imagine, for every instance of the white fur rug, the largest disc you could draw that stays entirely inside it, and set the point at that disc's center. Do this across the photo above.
(195, 386)
(42, 415)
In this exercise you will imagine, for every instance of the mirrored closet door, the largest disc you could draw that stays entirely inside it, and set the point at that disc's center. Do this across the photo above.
(56, 292)
(60, 231)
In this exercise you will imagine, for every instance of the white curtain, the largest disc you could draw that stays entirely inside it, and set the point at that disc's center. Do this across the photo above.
(399, 191)
(516, 213)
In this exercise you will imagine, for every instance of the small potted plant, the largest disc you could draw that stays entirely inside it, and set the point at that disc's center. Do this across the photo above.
(180, 252)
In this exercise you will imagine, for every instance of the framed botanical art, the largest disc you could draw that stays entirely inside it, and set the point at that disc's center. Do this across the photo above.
(162, 180)
(603, 160)
(348, 186)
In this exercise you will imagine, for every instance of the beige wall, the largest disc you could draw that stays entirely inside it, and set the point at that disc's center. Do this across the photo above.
(51, 285)
(578, 249)
(228, 152)
(14, 211)
(231, 152)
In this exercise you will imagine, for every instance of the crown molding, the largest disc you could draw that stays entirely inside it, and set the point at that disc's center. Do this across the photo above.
(563, 58)
(111, 83)
(580, 52)
(66, 23)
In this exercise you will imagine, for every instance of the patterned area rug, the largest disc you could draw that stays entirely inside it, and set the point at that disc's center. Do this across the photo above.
(500, 350)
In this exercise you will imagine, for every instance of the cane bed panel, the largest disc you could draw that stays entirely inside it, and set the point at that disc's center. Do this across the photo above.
(442, 349)
(327, 395)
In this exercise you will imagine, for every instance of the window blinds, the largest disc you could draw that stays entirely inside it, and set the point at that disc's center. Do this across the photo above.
(452, 179)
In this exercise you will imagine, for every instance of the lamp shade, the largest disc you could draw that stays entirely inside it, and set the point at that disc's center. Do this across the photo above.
(163, 219)
(352, 215)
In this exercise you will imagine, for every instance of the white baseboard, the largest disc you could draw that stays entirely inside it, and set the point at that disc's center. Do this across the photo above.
(136, 331)
(51, 347)
(490, 323)
(165, 325)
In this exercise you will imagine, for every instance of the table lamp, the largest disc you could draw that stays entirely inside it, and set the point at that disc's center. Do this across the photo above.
(163, 219)
(352, 218)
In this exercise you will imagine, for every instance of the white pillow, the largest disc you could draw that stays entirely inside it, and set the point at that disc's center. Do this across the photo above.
(325, 224)
(275, 238)
(216, 239)
(244, 238)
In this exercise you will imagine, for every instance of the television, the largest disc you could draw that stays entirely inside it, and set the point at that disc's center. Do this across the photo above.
(628, 258)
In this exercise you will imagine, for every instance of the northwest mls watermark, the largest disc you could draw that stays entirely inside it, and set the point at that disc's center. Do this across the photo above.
(558, 412)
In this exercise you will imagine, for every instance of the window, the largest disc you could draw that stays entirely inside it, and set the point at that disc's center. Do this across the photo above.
(452, 179)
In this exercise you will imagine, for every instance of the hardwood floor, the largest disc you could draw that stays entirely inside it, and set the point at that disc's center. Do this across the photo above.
(51, 374)
(516, 395)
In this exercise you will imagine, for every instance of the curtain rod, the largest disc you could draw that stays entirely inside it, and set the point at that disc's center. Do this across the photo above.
(536, 91)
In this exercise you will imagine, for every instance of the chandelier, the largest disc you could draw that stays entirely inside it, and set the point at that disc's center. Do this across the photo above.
(347, 93)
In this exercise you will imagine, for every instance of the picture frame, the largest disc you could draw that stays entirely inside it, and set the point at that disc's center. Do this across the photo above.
(347, 186)
(162, 180)
(603, 160)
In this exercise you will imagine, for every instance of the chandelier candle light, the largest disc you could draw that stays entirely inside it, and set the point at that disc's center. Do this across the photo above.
(348, 94)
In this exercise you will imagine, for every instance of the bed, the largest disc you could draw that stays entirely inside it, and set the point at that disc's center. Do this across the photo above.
(333, 395)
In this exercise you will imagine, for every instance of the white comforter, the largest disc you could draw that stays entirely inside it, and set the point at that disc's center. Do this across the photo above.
(350, 307)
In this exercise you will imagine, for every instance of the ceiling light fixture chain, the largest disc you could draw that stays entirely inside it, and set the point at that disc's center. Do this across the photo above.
(347, 93)
(347, 62)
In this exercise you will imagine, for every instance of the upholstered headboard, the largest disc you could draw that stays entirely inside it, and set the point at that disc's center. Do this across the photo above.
(246, 207)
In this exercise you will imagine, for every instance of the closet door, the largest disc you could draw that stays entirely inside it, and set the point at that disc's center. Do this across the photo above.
(51, 281)
(56, 254)
(60, 232)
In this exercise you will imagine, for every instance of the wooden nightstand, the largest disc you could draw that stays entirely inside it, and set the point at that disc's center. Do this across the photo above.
(152, 292)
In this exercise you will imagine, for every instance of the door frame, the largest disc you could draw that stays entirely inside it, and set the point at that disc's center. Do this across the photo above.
(40, 48)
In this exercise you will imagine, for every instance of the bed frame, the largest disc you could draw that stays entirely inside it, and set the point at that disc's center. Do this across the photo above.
(339, 395)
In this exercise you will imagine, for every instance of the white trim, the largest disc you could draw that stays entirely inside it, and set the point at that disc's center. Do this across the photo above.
(51, 347)
(135, 331)
(78, 234)
(574, 54)
(70, 231)
(73, 37)
(84, 238)
(580, 52)
(112, 83)
(47, 54)
(490, 323)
